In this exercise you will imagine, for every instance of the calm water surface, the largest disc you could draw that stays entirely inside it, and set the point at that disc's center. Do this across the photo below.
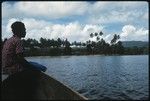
(101, 77)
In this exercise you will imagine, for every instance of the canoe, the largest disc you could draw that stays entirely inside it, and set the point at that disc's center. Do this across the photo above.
(34, 84)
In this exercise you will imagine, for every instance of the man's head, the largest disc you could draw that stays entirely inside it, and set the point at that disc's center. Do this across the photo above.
(18, 28)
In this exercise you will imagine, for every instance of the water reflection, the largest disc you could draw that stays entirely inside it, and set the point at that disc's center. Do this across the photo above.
(101, 77)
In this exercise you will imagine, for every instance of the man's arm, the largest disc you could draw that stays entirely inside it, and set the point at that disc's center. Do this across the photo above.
(21, 60)
(19, 55)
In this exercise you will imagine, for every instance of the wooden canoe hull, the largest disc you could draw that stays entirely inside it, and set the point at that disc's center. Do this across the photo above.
(33, 84)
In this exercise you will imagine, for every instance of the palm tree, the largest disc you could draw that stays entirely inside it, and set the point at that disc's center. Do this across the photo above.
(118, 37)
(101, 33)
(59, 42)
(96, 33)
(97, 38)
(91, 35)
(88, 42)
(115, 38)
(120, 48)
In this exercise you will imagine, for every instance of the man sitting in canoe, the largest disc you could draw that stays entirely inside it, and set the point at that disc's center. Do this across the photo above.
(13, 60)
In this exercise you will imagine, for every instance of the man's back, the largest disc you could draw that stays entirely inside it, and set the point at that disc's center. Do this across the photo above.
(10, 48)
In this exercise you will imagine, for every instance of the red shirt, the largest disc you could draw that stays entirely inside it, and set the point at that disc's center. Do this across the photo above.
(11, 47)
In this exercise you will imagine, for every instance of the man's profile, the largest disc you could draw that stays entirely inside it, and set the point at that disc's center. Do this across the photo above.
(12, 52)
(22, 81)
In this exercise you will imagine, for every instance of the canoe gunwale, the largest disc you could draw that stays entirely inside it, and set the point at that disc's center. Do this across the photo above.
(66, 86)
(37, 85)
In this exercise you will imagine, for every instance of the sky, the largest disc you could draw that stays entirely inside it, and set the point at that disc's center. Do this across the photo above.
(75, 20)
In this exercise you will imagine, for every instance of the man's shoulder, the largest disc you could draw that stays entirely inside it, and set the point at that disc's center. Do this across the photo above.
(16, 38)
(13, 40)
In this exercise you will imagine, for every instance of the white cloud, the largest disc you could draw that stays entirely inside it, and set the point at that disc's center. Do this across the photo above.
(111, 18)
(33, 27)
(36, 29)
(130, 32)
(6, 9)
(145, 16)
(108, 38)
(36, 16)
(115, 4)
(43, 9)
(72, 31)
(4, 33)
(35, 24)
(88, 29)
(8, 27)
(117, 12)
(141, 32)
(97, 13)
(116, 17)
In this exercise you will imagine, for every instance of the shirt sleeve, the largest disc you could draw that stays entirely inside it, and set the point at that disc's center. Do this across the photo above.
(19, 47)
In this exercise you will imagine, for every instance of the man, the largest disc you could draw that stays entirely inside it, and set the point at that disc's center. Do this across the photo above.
(23, 76)
(12, 52)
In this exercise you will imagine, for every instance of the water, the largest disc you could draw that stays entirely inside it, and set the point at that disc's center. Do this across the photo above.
(101, 77)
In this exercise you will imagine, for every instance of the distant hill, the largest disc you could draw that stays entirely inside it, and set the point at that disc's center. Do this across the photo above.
(135, 43)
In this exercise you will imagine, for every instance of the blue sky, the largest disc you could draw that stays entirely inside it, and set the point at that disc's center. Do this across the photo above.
(76, 20)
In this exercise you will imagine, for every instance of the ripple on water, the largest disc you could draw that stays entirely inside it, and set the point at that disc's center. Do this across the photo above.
(94, 92)
(124, 95)
(82, 91)
(102, 77)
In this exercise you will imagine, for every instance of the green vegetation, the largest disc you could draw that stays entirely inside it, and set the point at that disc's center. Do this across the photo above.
(50, 47)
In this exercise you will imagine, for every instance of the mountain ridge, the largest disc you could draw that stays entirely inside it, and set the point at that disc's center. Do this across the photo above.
(135, 43)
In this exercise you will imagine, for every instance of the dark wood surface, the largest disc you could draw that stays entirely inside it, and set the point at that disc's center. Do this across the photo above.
(32, 84)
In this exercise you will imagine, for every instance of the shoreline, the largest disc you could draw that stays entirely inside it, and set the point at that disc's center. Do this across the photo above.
(87, 55)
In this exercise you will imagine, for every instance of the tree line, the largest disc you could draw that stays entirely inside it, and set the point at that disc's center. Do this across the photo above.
(63, 47)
